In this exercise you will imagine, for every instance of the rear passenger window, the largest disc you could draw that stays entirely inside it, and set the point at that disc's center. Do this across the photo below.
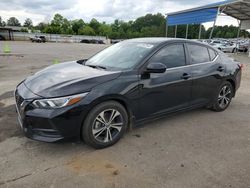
(198, 54)
(172, 56)
(212, 53)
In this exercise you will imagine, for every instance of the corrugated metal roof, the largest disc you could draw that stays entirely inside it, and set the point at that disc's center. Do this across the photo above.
(193, 17)
(239, 9)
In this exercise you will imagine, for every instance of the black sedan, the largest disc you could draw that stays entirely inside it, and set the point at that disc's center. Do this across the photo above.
(99, 98)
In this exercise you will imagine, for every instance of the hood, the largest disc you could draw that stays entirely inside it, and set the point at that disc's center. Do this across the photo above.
(67, 79)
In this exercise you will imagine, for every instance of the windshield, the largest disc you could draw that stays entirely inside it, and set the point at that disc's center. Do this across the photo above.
(121, 56)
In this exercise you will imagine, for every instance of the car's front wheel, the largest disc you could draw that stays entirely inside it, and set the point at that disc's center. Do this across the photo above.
(105, 124)
(224, 97)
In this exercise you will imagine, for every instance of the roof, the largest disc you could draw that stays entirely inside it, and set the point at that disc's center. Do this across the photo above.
(239, 9)
(13, 28)
(158, 40)
(151, 40)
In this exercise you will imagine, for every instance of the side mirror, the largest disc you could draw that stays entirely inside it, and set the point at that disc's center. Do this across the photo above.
(156, 68)
(81, 61)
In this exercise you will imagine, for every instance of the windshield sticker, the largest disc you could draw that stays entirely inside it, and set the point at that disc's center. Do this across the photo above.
(149, 46)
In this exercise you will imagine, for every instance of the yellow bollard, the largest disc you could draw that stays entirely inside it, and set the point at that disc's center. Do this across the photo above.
(55, 61)
(6, 48)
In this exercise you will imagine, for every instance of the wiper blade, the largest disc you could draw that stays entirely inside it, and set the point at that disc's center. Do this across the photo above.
(97, 66)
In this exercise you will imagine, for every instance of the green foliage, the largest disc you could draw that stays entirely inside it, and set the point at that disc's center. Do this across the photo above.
(77, 25)
(1, 21)
(193, 31)
(41, 26)
(105, 30)
(87, 30)
(12, 21)
(94, 24)
(227, 32)
(150, 25)
(28, 23)
(24, 30)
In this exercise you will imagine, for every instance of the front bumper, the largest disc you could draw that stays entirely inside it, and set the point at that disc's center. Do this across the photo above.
(48, 125)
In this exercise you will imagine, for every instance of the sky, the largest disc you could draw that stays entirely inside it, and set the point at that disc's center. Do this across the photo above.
(102, 10)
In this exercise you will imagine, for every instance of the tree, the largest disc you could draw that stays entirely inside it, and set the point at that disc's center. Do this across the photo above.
(1, 22)
(28, 23)
(59, 25)
(86, 30)
(94, 24)
(105, 30)
(150, 25)
(12, 21)
(77, 25)
(57, 20)
(41, 26)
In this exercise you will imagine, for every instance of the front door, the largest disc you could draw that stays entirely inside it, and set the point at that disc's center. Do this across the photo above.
(169, 91)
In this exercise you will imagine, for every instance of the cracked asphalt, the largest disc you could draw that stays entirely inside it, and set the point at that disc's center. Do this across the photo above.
(198, 148)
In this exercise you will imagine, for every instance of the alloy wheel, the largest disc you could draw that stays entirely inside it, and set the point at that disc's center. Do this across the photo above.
(107, 125)
(224, 97)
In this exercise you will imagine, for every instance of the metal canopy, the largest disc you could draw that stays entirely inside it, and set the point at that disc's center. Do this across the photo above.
(197, 17)
(239, 9)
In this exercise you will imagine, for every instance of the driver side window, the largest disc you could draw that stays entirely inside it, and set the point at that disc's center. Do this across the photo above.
(171, 55)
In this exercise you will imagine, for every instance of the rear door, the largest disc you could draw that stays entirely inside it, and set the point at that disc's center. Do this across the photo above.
(206, 71)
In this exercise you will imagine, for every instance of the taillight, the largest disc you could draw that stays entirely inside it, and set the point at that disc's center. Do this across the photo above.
(241, 65)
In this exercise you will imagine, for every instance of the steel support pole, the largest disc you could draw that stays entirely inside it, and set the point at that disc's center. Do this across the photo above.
(238, 35)
(175, 33)
(239, 29)
(166, 28)
(200, 31)
(187, 31)
(211, 33)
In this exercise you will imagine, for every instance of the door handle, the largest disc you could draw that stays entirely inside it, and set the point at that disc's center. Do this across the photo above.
(220, 69)
(186, 76)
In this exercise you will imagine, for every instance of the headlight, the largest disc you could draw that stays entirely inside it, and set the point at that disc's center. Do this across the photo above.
(58, 102)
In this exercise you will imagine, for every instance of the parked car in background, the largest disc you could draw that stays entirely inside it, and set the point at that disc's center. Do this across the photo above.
(92, 41)
(38, 39)
(98, 99)
(225, 47)
(243, 47)
(231, 45)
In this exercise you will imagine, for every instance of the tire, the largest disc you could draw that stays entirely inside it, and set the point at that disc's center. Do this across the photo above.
(223, 97)
(105, 124)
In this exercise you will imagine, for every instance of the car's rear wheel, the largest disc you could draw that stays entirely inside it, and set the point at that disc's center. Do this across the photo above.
(224, 97)
(105, 124)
